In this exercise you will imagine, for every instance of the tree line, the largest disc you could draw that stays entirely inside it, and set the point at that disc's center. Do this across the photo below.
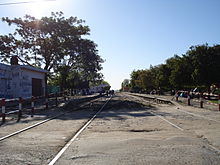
(198, 67)
(57, 44)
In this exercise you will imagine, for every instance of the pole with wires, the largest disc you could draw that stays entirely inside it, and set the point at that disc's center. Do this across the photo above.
(24, 2)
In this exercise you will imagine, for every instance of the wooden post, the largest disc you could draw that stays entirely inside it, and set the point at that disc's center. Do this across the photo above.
(32, 106)
(19, 109)
(3, 110)
(201, 100)
(64, 96)
(56, 99)
(188, 99)
(46, 102)
(176, 95)
(219, 102)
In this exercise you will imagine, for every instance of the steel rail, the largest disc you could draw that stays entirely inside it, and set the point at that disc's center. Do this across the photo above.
(174, 125)
(190, 113)
(29, 127)
(60, 153)
(162, 118)
(210, 145)
(37, 124)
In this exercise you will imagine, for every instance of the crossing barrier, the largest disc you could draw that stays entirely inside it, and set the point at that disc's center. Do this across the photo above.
(28, 105)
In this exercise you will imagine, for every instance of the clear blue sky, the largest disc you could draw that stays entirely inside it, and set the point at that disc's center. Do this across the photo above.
(132, 34)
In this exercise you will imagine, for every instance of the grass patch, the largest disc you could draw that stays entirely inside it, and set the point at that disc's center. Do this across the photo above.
(213, 101)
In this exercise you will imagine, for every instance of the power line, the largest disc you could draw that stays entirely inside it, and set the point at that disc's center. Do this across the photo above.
(24, 2)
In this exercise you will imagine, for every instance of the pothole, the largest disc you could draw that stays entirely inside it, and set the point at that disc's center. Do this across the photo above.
(144, 130)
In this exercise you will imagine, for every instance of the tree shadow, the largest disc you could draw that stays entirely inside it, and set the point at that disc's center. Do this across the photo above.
(116, 109)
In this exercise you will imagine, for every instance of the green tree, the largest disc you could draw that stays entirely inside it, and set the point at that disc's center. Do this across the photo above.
(160, 74)
(200, 66)
(125, 84)
(146, 80)
(46, 41)
(180, 71)
(57, 44)
(206, 64)
(142, 80)
(88, 62)
(135, 81)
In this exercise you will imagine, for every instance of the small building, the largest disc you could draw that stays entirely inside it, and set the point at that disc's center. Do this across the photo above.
(21, 81)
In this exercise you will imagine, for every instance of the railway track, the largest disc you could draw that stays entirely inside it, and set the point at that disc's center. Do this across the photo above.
(68, 139)
(179, 108)
(29, 127)
(152, 99)
(89, 103)
(75, 134)
(12, 107)
(59, 154)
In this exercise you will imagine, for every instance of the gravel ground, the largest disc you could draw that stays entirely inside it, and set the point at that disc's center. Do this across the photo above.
(125, 132)
(130, 134)
(40, 144)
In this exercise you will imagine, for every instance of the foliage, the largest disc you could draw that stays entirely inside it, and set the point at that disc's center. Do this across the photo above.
(206, 62)
(199, 67)
(125, 83)
(57, 44)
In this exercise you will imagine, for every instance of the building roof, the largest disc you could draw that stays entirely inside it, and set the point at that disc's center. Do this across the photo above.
(4, 65)
(27, 67)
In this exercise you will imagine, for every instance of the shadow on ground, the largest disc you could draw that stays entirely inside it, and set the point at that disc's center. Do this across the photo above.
(118, 108)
